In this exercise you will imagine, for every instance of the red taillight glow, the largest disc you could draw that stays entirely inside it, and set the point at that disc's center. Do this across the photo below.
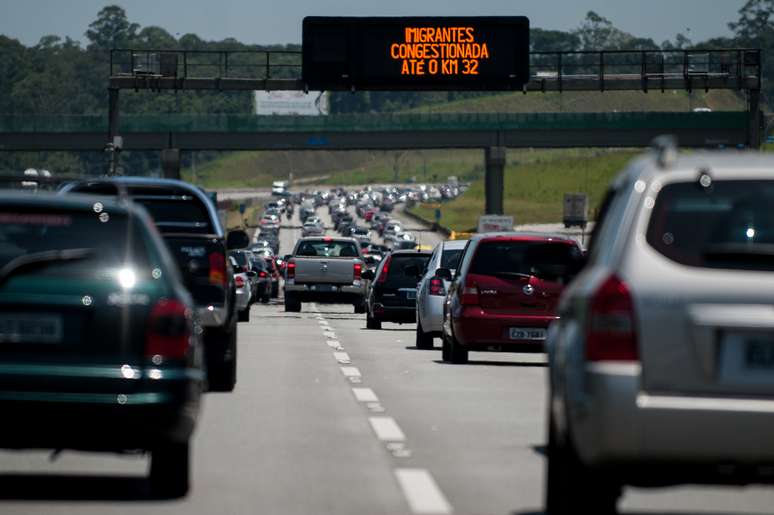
(611, 332)
(217, 269)
(239, 281)
(262, 274)
(291, 270)
(169, 330)
(385, 269)
(436, 287)
(357, 270)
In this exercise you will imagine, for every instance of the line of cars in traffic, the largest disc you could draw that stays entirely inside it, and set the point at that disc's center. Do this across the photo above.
(659, 337)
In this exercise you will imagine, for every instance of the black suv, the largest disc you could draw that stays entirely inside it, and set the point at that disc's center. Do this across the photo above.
(392, 294)
(189, 224)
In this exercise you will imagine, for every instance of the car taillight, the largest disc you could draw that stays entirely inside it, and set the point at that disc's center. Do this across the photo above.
(168, 330)
(469, 293)
(611, 326)
(357, 269)
(436, 287)
(217, 269)
(385, 270)
(291, 269)
(239, 281)
(262, 274)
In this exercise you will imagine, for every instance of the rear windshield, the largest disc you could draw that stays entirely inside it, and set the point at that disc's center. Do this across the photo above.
(327, 249)
(729, 225)
(184, 215)
(398, 276)
(241, 258)
(93, 244)
(547, 260)
(451, 258)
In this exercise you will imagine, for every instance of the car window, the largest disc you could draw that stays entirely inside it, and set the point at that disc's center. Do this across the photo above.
(548, 260)
(730, 225)
(396, 274)
(186, 214)
(327, 249)
(451, 258)
(107, 242)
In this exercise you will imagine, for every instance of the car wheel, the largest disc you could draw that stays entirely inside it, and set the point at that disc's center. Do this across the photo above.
(266, 298)
(445, 348)
(424, 340)
(244, 315)
(274, 291)
(360, 308)
(291, 304)
(457, 353)
(372, 323)
(170, 470)
(572, 487)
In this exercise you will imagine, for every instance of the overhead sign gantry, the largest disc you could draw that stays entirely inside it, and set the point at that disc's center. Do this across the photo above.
(416, 53)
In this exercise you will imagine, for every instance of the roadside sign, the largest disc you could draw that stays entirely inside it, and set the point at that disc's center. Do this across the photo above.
(495, 223)
(416, 53)
(242, 208)
(576, 209)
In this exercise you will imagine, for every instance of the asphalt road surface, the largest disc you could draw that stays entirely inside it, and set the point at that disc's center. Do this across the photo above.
(330, 418)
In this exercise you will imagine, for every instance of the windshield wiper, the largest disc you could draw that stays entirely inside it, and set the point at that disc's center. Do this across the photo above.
(39, 259)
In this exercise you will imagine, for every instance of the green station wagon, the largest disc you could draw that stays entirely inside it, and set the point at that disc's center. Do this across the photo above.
(99, 344)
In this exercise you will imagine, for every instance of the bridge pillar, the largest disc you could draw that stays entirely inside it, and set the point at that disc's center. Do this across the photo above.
(494, 179)
(754, 119)
(170, 163)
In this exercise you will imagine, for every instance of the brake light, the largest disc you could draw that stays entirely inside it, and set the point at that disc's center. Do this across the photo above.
(169, 330)
(611, 326)
(217, 269)
(357, 270)
(239, 281)
(291, 270)
(385, 269)
(469, 293)
(262, 274)
(436, 287)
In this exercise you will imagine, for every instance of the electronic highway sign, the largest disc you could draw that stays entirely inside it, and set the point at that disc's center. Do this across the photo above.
(416, 53)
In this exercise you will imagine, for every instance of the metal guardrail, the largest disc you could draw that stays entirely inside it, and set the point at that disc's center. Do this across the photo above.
(384, 122)
(738, 68)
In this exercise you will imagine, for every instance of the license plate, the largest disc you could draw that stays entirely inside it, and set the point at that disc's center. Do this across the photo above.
(30, 328)
(411, 295)
(527, 333)
(324, 288)
(747, 358)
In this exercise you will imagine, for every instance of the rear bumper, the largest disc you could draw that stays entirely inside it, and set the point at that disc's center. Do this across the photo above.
(97, 413)
(243, 298)
(343, 294)
(397, 314)
(613, 423)
(432, 320)
(478, 330)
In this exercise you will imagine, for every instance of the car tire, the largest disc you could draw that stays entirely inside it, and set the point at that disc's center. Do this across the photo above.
(170, 470)
(457, 353)
(372, 323)
(266, 298)
(360, 308)
(274, 291)
(424, 340)
(291, 304)
(222, 374)
(572, 487)
(445, 348)
(244, 315)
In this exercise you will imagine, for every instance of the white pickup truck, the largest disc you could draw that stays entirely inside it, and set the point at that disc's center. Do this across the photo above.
(326, 270)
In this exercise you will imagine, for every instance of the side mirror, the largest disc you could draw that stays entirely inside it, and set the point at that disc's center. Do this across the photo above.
(251, 273)
(368, 275)
(237, 240)
(287, 257)
(444, 273)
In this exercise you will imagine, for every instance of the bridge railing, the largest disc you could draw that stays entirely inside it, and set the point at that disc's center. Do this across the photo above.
(735, 64)
(371, 123)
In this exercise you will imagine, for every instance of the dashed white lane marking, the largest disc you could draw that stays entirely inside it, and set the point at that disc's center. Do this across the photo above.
(422, 492)
(365, 395)
(342, 357)
(386, 429)
(322, 322)
(334, 344)
(350, 371)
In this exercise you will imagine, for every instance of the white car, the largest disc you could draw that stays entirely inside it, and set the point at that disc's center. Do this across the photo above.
(432, 289)
(312, 229)
(662, 361)
(391, 230)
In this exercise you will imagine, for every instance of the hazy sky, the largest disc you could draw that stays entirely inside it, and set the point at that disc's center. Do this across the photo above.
(279, 21)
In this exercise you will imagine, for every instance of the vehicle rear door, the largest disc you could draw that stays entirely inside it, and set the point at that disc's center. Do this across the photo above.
(398, 287)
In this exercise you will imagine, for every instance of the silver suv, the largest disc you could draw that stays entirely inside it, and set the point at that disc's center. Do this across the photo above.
(662, 363)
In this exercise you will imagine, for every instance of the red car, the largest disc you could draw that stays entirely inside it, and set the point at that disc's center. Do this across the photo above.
(506, 292)
(369, 214)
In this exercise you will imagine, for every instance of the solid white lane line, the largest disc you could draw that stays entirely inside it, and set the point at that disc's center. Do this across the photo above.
(386, 429)
(342, 357)
(365, 395)
(350, 371)
(422, 492)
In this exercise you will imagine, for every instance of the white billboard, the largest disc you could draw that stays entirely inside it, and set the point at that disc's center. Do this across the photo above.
(314, 103)
(495, 223)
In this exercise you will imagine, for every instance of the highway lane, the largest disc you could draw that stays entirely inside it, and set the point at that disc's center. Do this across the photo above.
(329, 417)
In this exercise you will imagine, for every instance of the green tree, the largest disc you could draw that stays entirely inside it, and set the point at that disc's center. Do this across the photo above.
(755, 28)
(111, 29)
